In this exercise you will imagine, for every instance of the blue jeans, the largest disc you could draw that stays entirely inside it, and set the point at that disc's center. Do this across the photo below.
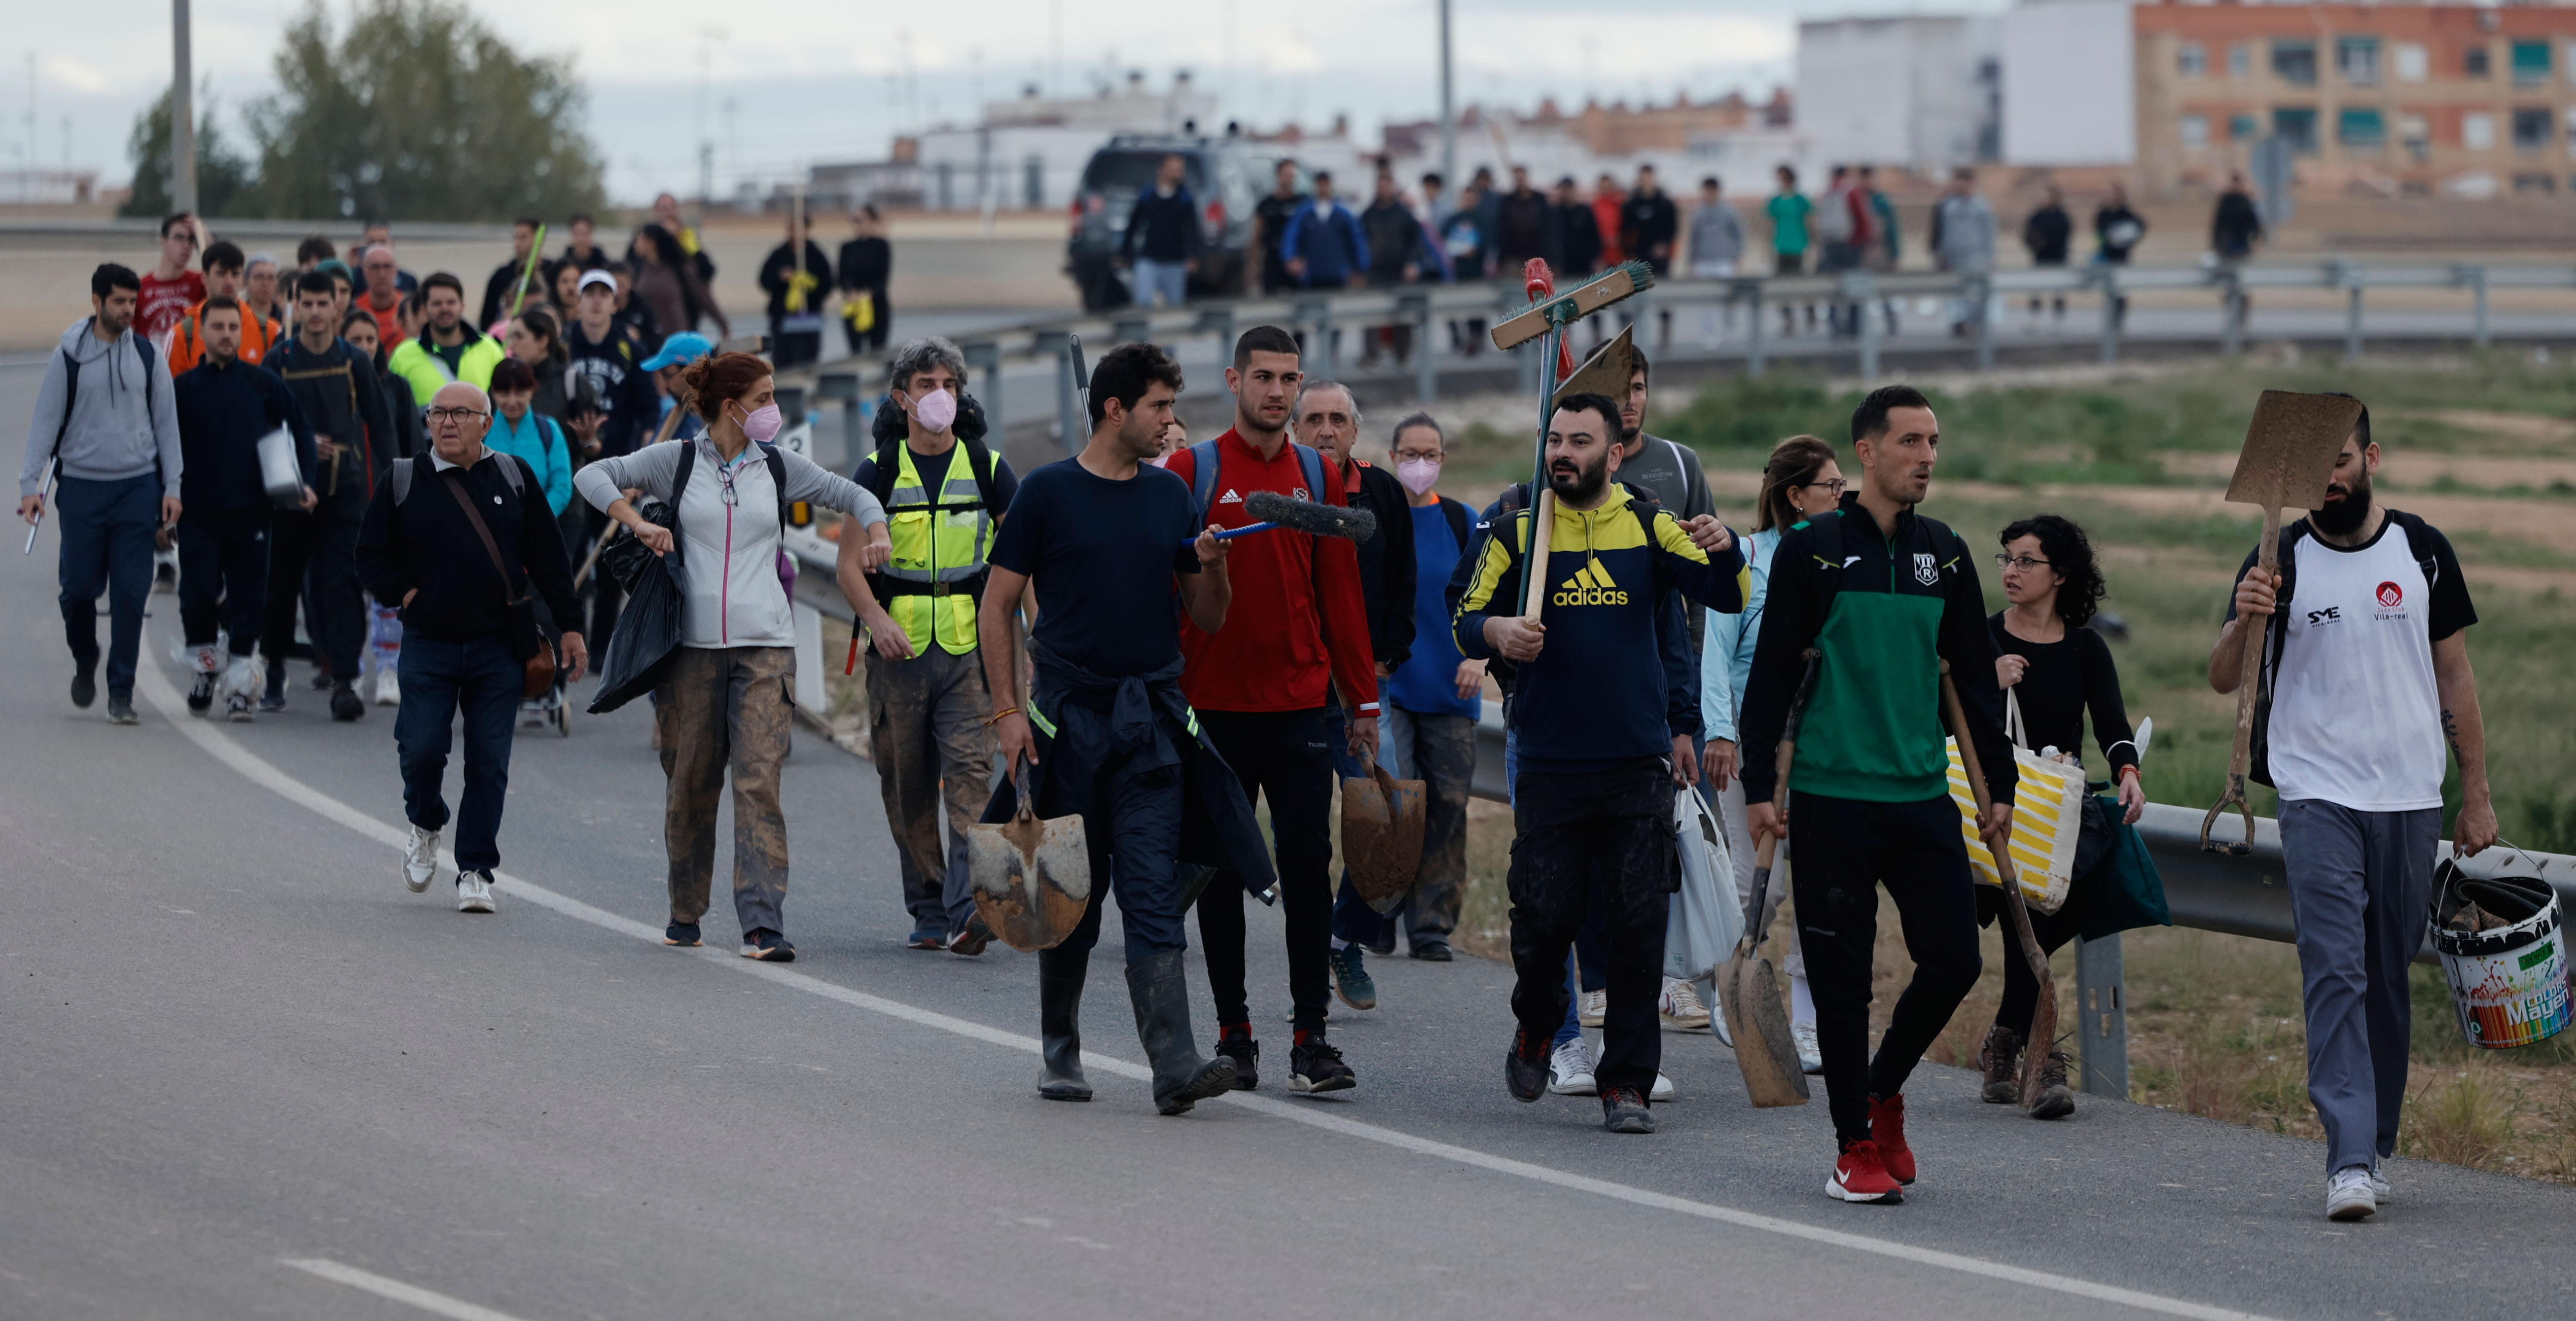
(482, 679)
(107, 529)
(1166, 283)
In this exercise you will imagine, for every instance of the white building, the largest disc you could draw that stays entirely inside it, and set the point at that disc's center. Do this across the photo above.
(2070, 84)
(1918, 90)
(1026, 154)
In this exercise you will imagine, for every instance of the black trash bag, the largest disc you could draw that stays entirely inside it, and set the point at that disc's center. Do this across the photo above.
(625, 558)
(648, 628)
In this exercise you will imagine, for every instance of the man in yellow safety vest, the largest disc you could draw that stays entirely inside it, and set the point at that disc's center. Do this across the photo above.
(944, 494)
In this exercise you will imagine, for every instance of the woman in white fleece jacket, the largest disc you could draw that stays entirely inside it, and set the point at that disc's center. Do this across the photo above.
(729, 696)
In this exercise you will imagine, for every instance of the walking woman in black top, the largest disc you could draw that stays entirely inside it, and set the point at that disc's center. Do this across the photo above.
(2052, 663)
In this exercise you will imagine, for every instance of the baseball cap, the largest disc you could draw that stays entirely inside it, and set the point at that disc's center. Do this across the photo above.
(680, 350)
(598, 277)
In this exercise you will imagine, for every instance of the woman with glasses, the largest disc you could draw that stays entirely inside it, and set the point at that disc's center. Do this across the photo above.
(728, 692)
(2055, 669)
(1800, 478)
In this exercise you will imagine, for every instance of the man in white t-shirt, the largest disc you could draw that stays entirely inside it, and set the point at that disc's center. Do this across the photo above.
(2368, 673)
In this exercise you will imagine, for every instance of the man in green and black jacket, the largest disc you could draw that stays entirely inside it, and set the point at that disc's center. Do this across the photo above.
(1886, 595)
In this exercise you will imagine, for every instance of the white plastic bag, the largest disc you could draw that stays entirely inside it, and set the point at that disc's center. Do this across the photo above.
(1705, 919)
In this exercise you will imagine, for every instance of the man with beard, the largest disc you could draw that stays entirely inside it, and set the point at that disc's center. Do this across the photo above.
(1592, 797)
(1883, 595)
(2368, 671)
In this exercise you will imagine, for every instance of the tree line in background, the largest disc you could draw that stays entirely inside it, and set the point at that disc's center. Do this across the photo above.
(416, 111)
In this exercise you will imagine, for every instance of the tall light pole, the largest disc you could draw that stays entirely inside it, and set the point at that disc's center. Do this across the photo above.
(707, 37)
(1448, 110)
(183, 115)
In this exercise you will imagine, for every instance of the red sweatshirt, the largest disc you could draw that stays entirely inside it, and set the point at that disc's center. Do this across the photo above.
(1297, 620)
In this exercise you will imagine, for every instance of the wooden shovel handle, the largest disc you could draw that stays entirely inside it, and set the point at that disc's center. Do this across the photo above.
(1534, 569)
(2044, 1014)
(2249, 679)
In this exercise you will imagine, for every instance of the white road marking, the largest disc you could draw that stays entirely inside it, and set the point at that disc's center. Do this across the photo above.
(382, 1287)
(219, 744)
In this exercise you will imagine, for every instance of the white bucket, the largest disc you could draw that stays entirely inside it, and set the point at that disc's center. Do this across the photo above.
(2508, 983)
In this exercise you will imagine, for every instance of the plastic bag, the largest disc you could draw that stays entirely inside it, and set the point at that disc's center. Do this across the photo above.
(1705, 919)
(647, 636)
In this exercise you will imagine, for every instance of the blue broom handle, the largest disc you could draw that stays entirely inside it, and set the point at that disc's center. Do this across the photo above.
(1231, 533)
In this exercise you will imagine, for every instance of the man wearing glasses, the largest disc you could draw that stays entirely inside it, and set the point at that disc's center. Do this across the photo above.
(436, 539)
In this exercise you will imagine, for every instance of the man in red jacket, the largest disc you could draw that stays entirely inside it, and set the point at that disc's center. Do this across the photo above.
(1263, 689)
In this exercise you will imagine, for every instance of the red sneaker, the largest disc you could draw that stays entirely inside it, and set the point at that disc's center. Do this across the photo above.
(1861, 1177)
(1887, 1132)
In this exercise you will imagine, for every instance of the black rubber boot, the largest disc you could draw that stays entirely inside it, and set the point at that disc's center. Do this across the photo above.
(1060, 976)
(1182, 1077)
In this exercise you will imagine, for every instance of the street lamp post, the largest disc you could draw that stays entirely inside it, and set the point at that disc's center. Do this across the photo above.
(183, 115)
(1448, 110)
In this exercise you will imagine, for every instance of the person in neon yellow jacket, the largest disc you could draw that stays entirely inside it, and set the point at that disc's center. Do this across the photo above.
(448, 349)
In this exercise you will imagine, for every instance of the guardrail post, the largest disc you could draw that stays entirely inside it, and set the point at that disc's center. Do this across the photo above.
(1219, 321)
(1426, 378)
(809, 658)
(2477, 277)
(1068, 405)
(1981, 290)
(2350, 279)
(2104, 1019)
(1862, 289)
(982, 355)
(2109, 277)
(2231, 312)
(1755, 357)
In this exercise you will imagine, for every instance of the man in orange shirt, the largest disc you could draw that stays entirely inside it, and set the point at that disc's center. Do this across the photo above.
(223, 280)
(384, 297)
(1263, 691)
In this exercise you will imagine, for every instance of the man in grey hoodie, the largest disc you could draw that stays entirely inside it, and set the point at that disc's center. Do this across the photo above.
(107, 426)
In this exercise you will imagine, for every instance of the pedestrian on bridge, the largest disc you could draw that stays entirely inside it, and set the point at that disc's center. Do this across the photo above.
(2368, 669)
(1113, 545)
(456, 537)
(728, 698)
(1884, 595)
(226, 406)
(930, 714)
(106, 429)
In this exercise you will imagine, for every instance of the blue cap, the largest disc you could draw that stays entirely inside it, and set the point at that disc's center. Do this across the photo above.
(680, 350)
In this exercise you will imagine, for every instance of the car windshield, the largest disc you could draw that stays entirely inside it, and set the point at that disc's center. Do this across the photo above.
(1133, 172)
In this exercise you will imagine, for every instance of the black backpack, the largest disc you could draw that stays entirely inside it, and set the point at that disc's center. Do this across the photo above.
(71, 396)
(2419, 546)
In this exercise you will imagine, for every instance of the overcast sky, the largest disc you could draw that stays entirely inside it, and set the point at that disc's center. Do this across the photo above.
(814, 80)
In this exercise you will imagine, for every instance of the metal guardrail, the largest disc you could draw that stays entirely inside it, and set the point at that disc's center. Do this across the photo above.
(1428, 306)
(2234, 895)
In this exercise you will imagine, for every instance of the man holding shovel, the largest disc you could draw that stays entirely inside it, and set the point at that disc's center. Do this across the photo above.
(1104, 733)
(2367, 666)
(1885, 595)
(1593, 797)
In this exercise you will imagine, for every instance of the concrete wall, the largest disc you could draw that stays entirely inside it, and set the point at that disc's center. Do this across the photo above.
(1894, 91)
(2070, 77)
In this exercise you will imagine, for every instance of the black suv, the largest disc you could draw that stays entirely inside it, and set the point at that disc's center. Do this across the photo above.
(1224, 175)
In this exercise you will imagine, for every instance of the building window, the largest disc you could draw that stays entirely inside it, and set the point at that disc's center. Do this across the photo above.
(2474, 63)
(2195, 130)
(2244, 128)
(2477, 132)
(2191, 60)
(2357, 59)
(2295, 62)
(2535, 183)
(2531, 129)
(2415, 134)
(2414, 63)
(2530, 62)
(2361, 129)
(2240, 61)
(2296, 125)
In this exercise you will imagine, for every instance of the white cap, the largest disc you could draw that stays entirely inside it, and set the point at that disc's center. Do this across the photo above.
(597, 277)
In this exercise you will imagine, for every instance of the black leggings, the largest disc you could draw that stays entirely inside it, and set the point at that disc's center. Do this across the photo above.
(1288, 756)
(1843, 850)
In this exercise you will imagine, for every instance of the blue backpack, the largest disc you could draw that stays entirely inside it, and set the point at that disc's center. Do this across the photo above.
(1204, 463)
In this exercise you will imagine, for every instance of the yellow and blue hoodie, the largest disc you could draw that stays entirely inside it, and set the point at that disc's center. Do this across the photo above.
(1596, 695)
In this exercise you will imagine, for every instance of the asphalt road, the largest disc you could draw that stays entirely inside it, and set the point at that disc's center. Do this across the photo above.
(245, 1073)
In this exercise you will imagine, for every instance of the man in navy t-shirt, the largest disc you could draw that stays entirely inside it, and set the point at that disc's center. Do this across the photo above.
(1104, 537)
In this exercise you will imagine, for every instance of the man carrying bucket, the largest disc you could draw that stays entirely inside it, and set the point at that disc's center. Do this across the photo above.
(2368, 672)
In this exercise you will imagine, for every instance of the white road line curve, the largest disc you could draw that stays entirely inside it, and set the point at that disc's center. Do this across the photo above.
(218, 743)
(383, 1287)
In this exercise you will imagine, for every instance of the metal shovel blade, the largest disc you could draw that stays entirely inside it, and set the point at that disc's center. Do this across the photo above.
(1749, 995)
(1382, 823)
(1031, 879)
(2290, 449)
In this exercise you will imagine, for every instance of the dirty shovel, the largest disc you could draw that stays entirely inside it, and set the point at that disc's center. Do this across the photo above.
(1382, 820)
(1031, 879)
(2288, 460)
(1748, 992)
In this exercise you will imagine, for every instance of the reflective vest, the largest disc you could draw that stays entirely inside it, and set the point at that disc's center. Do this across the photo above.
(936, 575)
(425, 371)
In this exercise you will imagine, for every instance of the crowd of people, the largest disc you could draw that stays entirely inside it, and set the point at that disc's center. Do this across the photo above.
(1082, 637)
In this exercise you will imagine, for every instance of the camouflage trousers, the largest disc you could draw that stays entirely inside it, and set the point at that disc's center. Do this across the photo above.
(718, 710)
(932, 748)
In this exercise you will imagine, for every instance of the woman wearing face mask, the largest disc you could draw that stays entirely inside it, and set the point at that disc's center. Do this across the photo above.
(1801, 478)
(1427, 710)
(727, 697)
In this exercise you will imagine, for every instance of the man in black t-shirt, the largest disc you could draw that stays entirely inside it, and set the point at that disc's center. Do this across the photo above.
(1105, 732)
(1270, 217)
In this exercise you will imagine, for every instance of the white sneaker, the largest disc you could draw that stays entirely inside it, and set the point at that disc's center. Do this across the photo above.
(1569, 1070)
(1717, 1023)
(474, 892)
(1596, 1007)
(2348, 1195)
(1811, 1061)
(420, 859)
(388, 688)
(2380, 1192)
(1680, 1007)
(1663, 1089)
(243, 676)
